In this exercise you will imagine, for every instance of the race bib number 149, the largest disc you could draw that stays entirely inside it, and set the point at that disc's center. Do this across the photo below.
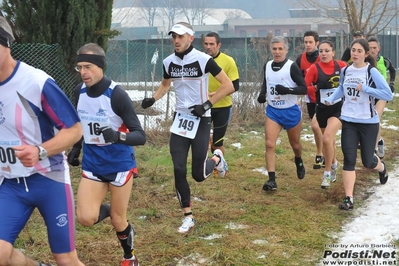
(185, 125)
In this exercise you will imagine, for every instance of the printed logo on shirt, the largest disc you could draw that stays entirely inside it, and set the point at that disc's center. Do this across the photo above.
(101, 112)
(95, 140)
(62, 220)
(334, 81)
(192, 70)
(2, 118)
(82, 111)
(5, 169)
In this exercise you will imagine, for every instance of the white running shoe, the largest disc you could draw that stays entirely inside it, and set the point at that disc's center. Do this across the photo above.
(188, 222)
(222, 167)
(334, 173)
(326, 181)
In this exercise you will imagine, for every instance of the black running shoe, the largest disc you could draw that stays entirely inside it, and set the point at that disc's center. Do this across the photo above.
(270, 185)
(300, 169)
(347, 204)
(380, 149)
(383, 175)
(319, 162)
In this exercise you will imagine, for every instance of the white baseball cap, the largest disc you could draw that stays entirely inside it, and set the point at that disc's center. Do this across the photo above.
(181, 29)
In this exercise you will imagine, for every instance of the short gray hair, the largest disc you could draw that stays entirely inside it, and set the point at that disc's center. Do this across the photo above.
(279, 39)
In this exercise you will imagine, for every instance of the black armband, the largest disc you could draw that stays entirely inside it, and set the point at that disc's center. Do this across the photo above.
(236, 84)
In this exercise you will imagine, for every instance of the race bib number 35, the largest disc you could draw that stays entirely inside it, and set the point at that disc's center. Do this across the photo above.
(185, 125)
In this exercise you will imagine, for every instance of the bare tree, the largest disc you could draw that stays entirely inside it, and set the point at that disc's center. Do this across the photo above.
(171, 10)
(195, 11)
(234, 14)
(149, 10)
(371, 16)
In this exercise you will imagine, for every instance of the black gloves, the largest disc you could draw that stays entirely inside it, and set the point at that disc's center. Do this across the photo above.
(262, 98)
(109, 134)
(147, 102)
(392, 86)
(200, 109)
(280, 89)
(73, 156)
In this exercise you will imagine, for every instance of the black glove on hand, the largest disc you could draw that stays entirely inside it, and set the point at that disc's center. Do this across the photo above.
(147, 102)
(392, 86)
(283, 90)
(200, 109)
(262, 98)
(73, 156)
(109, 134)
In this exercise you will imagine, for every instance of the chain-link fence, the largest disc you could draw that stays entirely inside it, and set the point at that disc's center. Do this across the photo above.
(47, 58)
(133, 64)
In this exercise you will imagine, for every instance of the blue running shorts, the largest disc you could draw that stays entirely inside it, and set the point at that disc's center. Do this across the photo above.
(287, 117)
(20, 196)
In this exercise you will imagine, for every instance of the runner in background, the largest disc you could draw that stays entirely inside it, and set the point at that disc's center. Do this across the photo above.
(304, 61)
(322, 78)
(383, 64)
(220, 111)
(357, 34)
(282, 83)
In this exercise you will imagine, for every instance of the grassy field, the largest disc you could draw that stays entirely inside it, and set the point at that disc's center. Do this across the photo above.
(237, 223)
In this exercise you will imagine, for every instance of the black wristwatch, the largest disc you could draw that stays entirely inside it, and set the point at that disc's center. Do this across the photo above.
(42, 153)
(207, 105)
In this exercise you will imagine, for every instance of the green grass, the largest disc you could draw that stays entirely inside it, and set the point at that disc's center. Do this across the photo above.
(248, 225)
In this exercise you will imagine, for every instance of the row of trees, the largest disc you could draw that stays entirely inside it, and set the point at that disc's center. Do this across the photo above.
(194, 11)
(370, 16)
(71, 23)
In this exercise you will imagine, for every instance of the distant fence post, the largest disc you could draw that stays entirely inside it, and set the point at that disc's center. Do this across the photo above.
(246, 58)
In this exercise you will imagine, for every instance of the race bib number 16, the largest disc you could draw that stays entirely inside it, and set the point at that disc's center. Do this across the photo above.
(185, 125)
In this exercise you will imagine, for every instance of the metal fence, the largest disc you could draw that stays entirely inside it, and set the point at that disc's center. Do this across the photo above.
(47, 58)
(133, 64)
(130, 61)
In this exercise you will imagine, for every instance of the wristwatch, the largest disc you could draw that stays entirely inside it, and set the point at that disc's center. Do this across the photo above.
(42, 153)
(207, 105)
(122, 136)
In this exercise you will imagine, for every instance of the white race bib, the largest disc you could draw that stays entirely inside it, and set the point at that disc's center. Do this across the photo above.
(185, 125)
(9, 163)
(325, 93)
(354, 96)
(90, 134)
